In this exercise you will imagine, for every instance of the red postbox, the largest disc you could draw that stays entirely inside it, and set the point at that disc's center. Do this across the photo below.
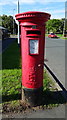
(32, 52)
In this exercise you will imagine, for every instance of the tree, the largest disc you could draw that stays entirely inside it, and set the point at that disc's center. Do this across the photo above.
(7, 22)
(54, 25)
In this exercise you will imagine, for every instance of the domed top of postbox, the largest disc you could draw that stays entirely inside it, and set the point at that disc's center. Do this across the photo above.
(32, 16)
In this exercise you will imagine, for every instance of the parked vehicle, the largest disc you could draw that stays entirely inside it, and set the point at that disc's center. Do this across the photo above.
(52, 35)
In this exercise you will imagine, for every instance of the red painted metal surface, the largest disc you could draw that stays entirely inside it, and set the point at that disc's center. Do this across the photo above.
(32, 30)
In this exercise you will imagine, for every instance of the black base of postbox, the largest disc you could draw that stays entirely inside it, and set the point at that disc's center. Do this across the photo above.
(32, 96)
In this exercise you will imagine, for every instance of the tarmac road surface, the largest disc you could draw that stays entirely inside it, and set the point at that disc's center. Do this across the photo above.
(55, 54)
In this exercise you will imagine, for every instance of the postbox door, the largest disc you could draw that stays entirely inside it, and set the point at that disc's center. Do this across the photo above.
(33, 46)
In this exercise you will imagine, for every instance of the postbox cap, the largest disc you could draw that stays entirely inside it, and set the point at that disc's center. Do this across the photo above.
(33, 15)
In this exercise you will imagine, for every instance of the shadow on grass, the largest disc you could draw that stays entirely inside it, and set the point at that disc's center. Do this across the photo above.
(54, 97)
(11, 57)
(7, 98)
(48, 97)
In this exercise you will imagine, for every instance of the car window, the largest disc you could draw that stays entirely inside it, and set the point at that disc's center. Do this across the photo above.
(52, 33)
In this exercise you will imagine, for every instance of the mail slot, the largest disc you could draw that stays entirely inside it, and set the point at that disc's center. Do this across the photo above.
(32, 51)
(34, 32)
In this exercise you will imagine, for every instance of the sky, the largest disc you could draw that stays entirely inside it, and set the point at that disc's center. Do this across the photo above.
(55, 7)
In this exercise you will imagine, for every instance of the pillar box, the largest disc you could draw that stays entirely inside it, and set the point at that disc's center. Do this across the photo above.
(32, 53)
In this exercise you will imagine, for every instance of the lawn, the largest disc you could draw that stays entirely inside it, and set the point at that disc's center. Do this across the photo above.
(11, 81)
(61, 36)
(11, 73)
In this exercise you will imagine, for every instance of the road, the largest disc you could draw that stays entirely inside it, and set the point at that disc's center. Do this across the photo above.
(55, 54)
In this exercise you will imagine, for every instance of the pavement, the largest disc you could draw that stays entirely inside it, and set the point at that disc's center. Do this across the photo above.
(55, 112)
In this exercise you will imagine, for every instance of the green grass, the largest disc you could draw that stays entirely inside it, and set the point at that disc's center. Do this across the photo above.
(11, 79)
(11, 73)
(61, 36)
(46, 35)
(47, 82)
(11, 57)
